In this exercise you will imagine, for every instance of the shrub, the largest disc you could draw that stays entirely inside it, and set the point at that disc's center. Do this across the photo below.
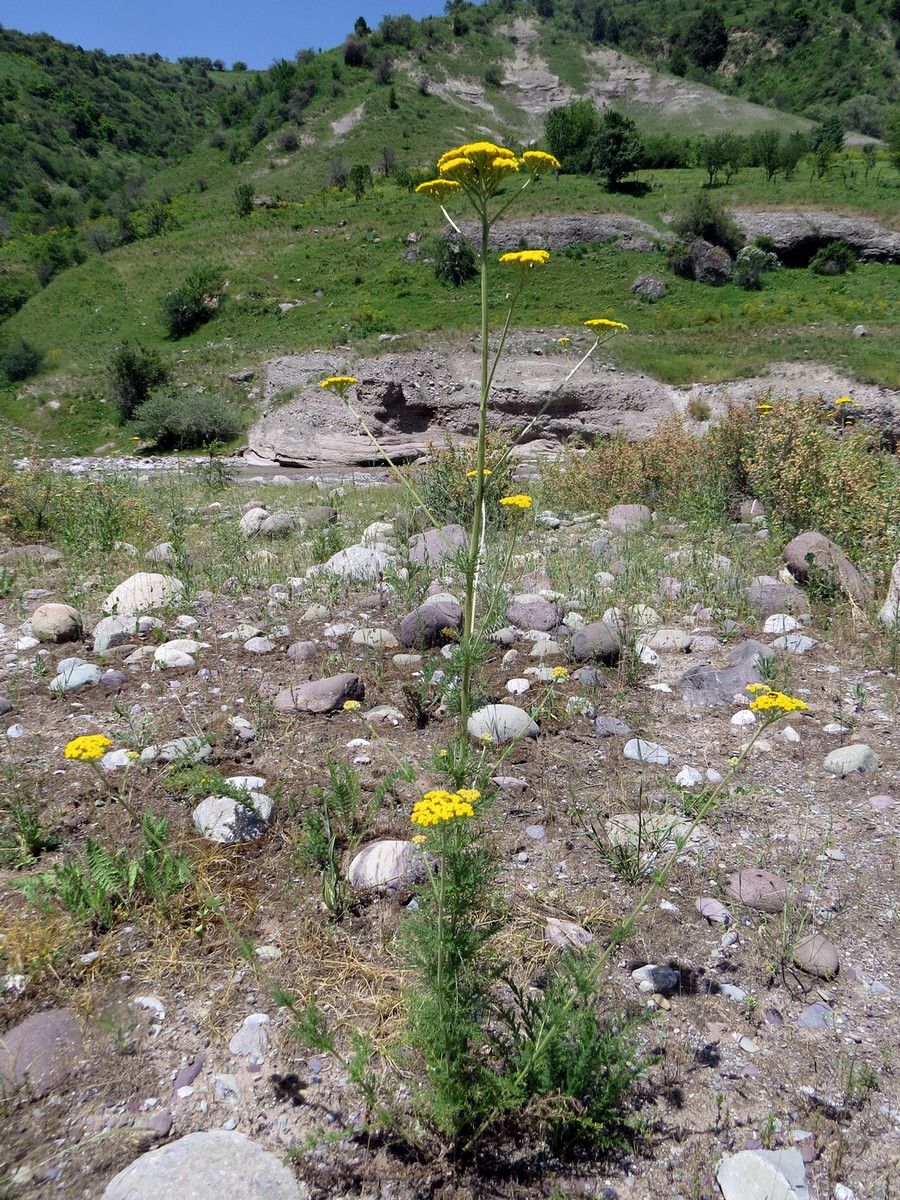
(678, 259)
(191, 305)
(20, 361)
(15, 291)
(455, 262)
(186, 421)
(751, 264)
(701, 217)
(243, 199)
(133, 373)
(834, 259)
(446, 489)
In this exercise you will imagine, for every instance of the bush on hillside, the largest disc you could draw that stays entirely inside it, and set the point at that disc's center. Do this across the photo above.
(16, 288)
(702, 217)
(186, 421)
(455, 262)
(20, 361)
(750, 266)
(834, 259)
(133, 373)
(191, 305)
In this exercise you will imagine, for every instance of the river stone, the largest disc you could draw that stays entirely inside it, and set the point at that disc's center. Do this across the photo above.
(260, 645)
(758, 889)
(763, 1175)
(424, 627)
(56, 623)
(321, 695)
(531, 611)
(252, 1038)
(768, 595)
(817, 1016)
(670, 640)
(814, 953)
(794, 643)
(781, 624)
(374, 638)
(277, 525)
(851, 760)
(321, 517)
(183, 749)
(358, 563)
(299, 652)
(74, 673)
(814, 558)
(110, 632)
(228, 821)
(628, 518)
(169, 656)
(142, 592)
(646, 752)
(386, 865)
(40, 1052)
(15, 555)
(713, 910)
(435, 545)
(502, 723)
(220, 1165)
(566, 934)
(597, 642)
(605, 727)
(251, 521)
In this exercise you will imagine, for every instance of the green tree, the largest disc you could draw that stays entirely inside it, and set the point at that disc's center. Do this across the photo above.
(570, 133)
(133, 372)
(892, 136)
(764, 150)
(618, 149)
(360, 179)
(705, 40)
(243, 199)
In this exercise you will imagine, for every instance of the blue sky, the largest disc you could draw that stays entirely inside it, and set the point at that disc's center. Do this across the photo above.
(255, 31)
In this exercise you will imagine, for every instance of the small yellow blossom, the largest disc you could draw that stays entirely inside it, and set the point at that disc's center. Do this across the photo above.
(351, 705)
(438, 189)
(560, 673)
(339, 384)
(474, 474)
(764, 408)
(470, 795)
(486, 739)
(775, 703)
(516, 501)
(526, 259)
(88, 748)
(844, 400)
(537, 162)
(438, 806)
(563, 341)
(419, 840)
(602, 323)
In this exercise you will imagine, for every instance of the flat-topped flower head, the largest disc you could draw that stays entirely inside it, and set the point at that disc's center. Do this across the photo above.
(769, 702)
(764, 408)
(844, 400)
(536, 162)
(516, 501)
(525, 259)
(438, 806)
(478, 167)
(600, 323)
(438, 189)
(351, 706)
(339, 384)
(88, 748)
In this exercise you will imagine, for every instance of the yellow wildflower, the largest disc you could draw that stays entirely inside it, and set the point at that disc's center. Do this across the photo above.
(479, 167)
(526, 259)
(438, 806)
(88, 748)
(516, 501)
(776, 703)
(560, 673)
(563, 341)
(486, 739)
(438, 189)
(602, 323)
(473, 474)
(351, 705)
(844, 400)
(419, 840)
(537, 162)
(764, 408)
(470, 795)
(339, 384)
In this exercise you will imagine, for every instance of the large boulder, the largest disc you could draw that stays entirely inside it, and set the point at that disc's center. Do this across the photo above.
(321, 695)
(710, 264)
(813, 558)
(768, 595)
(435, 545)
(40, 1052)
(797, 235)
(433, 623)
(597, 642)
(143, 592)
(56, 623)
(889, 613)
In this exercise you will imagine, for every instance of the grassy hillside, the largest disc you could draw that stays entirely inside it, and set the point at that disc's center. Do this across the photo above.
(261, 201)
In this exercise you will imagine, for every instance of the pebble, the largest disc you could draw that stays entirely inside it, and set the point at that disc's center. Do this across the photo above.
(817, 1016)
(645, 752)
(501, 723)
(535, 832)
(517, 686)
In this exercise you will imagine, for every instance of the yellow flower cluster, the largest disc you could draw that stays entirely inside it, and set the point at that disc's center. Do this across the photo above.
(351, 705)
(844, 400)
(438, 189)
(767, 700)
(438, 806)
(516, 501)
(560, 674)
(602, 323)
(538, 163)
(87, 748)
(340, 384)
(764, 408)
(526, 259)
(480, 167)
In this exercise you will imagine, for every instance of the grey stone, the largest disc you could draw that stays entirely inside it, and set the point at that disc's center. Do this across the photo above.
(605, 727)
(374, 637)
(165, 552)
(534, 612)
(252, 1038)
(16, 555)
(501, 723)
(710, 908)
(599, 642)
(851, 760)
(628, 518)
(75, 674)
(56, 623)
(302, 651)
(359, 563)
(278, 525)
(646, 752)
(794, 643)
(889, 613)
(5, 706)
(812, 557)
(815, 954)
(768, 595)
(710, 264)
(566, 934)
(187, 749)
(653, 978)
(229, 822)
(674, 640)
(144, 592)
(260, 645)
(818, 1016)
(387, 865)
(220, 1165)
(40, 1052)
(648, 287)
(703, 687)
(763, 1175)
(321, 517)
(110, 632)
(251, 521)
(757, 888)
(435, 545)
(321, 695)
(385, 712)
(424, 627)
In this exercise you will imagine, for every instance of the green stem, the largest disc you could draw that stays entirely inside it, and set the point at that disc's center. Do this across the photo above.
(440, 947)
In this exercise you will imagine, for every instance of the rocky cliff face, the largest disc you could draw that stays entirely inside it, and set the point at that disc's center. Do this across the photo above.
(407, 400)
